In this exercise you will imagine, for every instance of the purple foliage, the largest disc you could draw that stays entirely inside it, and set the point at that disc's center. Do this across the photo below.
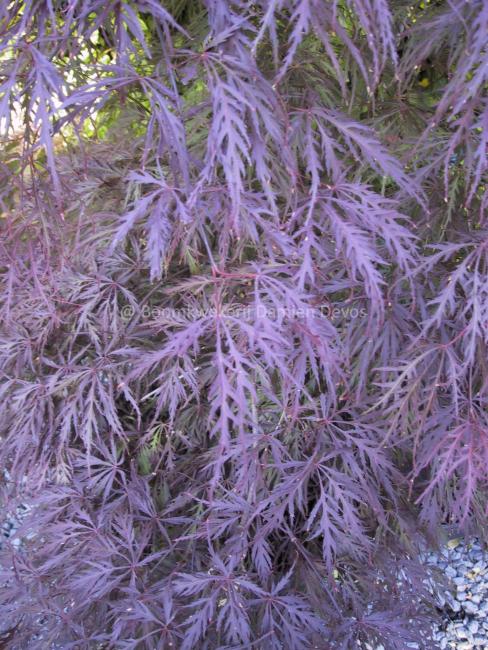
(244, 316)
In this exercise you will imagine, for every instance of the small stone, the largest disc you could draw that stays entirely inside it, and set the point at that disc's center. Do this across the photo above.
(473, 626)
(450, 572)
(461, 632)
(453, 543)
(470, 608)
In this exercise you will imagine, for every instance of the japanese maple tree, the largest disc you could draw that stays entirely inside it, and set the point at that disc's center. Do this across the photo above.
(244, 317)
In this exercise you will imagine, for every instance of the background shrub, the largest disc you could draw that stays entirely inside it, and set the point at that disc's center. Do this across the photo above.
(244, 314)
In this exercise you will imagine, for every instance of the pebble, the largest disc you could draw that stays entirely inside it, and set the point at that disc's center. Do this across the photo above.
(470, 608)
(454, 604)
(473, 626)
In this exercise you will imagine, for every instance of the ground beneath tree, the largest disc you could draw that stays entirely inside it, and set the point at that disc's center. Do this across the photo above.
(465, 603)
(463, 600)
